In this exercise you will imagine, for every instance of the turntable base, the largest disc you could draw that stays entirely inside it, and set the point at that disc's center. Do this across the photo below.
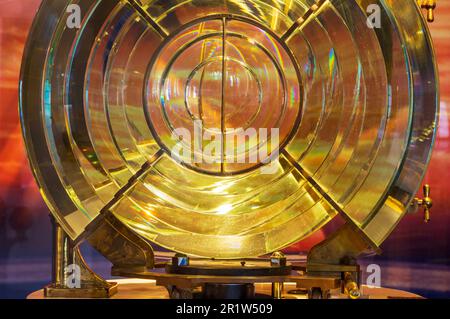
(147, 289)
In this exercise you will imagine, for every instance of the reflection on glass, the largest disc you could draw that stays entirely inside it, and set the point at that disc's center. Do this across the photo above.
(336, 94)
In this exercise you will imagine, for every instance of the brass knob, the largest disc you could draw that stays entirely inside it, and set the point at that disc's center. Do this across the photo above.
(351, 288)
(430, 6)
(426, 203)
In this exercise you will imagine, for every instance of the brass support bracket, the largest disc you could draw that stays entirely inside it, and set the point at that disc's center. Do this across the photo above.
(336, 257)
(341, 248)
(121, 246)
(72, 277)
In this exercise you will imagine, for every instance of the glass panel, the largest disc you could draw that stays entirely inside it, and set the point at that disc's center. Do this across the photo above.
(232, 128)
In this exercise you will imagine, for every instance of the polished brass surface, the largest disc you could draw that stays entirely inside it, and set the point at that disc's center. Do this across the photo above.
(229, 268)
(341, 248)
(93, 291)
(336, 256)
(67, 260)
(351, 287)
(146, 289)
(426, 203)
(429, 6)
(277, 259)
(121, 246)
(277, 290)
(184, 286)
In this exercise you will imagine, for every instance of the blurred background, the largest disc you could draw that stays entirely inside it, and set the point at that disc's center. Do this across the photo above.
(416, 257)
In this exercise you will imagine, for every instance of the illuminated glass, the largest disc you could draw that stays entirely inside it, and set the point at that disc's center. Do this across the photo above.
(353, 109)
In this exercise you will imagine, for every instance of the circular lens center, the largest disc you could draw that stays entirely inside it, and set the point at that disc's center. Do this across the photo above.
(233, 96)
(228, 90)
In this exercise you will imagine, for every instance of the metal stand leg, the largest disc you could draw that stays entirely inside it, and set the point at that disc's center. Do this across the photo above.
(277, 290)
(72, 278)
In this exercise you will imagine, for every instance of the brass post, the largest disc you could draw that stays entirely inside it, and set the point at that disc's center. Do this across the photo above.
(66, 254)
(277, 290)
(58, 256)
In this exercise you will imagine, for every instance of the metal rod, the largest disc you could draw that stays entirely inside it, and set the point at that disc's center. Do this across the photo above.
(316, 186)
(147, 17)
(132, 181)
(313, 182)
(277, 290)
(58, 254)
(301, 22)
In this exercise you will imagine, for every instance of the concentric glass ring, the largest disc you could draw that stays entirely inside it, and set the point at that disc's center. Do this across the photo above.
(354, 108)
(226, 81)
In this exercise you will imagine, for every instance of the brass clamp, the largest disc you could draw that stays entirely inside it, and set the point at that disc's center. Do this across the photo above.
(430, 6)
(426, 203)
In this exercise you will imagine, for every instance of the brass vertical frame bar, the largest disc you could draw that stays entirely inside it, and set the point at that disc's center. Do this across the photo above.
(148, 18)
(330, 200)
(58, 254)
(63, 255)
